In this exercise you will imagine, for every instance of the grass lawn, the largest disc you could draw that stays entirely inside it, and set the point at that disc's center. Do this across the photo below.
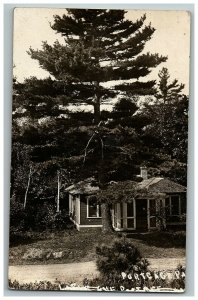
(73, 246)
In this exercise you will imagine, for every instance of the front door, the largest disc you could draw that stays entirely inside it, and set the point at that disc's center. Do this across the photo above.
(141, 214)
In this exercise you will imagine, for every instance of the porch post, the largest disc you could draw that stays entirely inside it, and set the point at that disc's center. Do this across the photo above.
(148, 213)
(124, 215)
(134, 209)
(118, 216)
(112, 215)
(164, 211)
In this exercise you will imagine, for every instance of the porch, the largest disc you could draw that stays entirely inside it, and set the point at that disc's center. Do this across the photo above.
(138, 215)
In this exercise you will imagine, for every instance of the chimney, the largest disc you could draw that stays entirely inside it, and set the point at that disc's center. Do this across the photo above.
(143, 173)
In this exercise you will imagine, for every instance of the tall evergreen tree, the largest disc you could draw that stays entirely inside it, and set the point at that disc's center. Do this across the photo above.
(100, 46)
(168, 91)
(167, 132)
(101, 59)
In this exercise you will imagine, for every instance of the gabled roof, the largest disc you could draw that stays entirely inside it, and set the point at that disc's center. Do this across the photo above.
(87, 186)
(162, 185)
(154, 185)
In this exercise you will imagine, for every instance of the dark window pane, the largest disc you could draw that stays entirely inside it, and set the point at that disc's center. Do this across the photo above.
(167, 206)
(99, 210)
(121, 223)
(92, 208)
(183, 205)
(130, 210)
(121, 210)
(130, 223)
(152, 207)
(175, 205)
(115, 221)
(115, 209)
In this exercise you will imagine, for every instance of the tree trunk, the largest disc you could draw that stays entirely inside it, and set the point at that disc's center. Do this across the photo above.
(106, 218)
(28, 185)
(96, 110)
(96, 104)
(58, 192)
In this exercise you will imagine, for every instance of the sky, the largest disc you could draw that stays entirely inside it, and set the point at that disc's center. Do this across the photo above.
(171, 38)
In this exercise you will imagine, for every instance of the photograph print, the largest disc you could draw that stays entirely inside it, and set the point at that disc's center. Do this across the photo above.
(99, 150)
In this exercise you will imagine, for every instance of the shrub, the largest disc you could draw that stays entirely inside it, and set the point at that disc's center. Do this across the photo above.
(17, 215)
(62, 221)
(45, 216)
(179, 283)
(121, 257)
(41, 285)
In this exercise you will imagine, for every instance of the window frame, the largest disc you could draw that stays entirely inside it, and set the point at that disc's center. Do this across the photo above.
(120, 216)
(169, 198)
(98, 211)
(151, 215)
(131, 217)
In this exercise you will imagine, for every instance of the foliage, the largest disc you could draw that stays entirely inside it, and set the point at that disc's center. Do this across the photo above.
(120, 257)
(162, 285)
(101, 46)
(168, 92)
(169, 118)
(93, 53)
(17, 217)
(41, 285)
(45, 217)
(179, 283)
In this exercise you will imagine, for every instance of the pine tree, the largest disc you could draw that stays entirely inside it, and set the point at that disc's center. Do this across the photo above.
(100, 46)
(167, 131)
(102, 58)
(168, 110)
(168, 92)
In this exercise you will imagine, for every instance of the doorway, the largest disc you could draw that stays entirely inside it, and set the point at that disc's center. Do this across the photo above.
(141, 214)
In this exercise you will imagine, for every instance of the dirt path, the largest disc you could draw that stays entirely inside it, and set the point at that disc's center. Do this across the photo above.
(75, 272)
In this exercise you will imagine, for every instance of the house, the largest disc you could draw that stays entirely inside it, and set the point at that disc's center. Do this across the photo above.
(141, 213)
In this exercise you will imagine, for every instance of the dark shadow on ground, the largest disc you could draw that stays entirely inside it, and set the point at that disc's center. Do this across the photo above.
(30, 237)
(161, 239)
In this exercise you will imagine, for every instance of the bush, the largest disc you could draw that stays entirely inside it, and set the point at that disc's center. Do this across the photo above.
(17, 217)
(41, 285)
(179, 283)
(121, 257)
(45, 217)
(62, 220)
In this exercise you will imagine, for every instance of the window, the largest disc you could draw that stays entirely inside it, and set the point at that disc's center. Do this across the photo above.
(124, 215)
(152, 213)
(183, 204)
(175, 205)
(93, 209)
(130, 215)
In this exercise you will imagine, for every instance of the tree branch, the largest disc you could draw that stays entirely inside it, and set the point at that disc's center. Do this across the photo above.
(89, 141)
(28, 184)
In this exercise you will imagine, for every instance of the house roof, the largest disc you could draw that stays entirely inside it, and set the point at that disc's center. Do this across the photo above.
(162, 185)
(87, 186)
(154, 185)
